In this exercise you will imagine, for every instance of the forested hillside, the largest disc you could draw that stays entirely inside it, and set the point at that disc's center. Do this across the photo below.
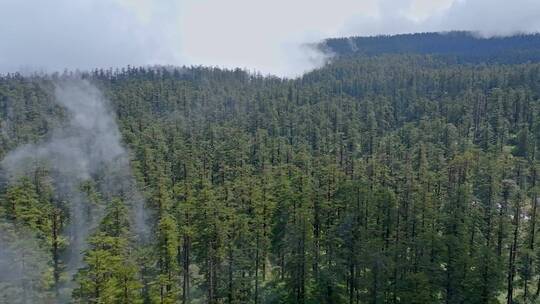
(389, 178)
(460, 47)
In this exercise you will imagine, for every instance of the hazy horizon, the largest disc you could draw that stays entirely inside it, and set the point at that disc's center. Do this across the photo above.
(267, 37)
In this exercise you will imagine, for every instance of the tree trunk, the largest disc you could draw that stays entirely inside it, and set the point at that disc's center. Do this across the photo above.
(512, 257)
(185, 268)
(55, 251)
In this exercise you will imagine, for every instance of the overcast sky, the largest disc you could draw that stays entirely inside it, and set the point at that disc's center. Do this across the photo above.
(261, 35)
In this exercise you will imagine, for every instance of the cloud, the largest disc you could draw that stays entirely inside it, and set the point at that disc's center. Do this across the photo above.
(265, 35)
(89, 146)
(493, 17)
(487, 17)
(83, 34)
(262, 35)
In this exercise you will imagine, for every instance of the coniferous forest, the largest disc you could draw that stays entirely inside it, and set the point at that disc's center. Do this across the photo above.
(390, 175)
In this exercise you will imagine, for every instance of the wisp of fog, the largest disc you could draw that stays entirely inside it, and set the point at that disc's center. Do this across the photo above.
(86, 148)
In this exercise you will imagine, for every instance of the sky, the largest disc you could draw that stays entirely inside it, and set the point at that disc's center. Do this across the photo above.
(266, 36)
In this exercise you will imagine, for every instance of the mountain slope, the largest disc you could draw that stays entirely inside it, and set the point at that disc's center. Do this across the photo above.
(381, 177)
(463, 47)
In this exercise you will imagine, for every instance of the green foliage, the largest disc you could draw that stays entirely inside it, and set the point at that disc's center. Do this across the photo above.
(110, 274)
(383, 179)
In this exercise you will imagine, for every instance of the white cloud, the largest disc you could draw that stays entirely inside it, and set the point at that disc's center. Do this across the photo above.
(258, 35)
(264, 35)
(420, 10)
(58, 34)
(494, 17)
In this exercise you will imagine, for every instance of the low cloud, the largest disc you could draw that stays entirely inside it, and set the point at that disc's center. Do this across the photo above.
(266, 36)
(87, 148)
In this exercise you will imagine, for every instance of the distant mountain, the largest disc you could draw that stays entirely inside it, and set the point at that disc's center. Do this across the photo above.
(463, 47)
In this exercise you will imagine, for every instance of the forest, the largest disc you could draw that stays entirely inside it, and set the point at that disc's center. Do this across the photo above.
(402, 176)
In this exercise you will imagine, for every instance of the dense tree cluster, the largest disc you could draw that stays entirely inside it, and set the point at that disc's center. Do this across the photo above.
(386, 179)
(462, 47)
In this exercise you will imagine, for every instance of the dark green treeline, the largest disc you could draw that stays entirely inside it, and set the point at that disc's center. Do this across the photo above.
(393, 179)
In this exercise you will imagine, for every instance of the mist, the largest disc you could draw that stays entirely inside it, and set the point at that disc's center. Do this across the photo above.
(86, 148)
(22, 266)
(269, 37)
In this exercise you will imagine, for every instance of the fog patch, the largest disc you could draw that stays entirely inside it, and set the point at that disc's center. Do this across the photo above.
(86, 148)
